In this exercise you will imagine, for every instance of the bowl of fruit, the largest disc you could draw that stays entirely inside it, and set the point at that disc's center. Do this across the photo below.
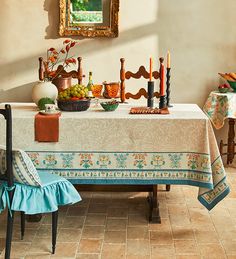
(224, 88)
(74, 98)
(232, 85)
(110, 106)
(231, 79)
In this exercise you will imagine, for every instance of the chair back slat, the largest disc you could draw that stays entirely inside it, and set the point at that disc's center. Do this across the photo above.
(8, 174)
(60, 71)
(142, 72)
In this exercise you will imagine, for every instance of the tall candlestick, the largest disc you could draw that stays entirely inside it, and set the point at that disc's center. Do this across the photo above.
(150, 98)
(162, 80)
(168, 87)
(168, 59)
(150, 72)
(162, 103)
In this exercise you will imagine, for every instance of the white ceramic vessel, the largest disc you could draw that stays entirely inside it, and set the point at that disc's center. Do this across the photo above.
(44, 89)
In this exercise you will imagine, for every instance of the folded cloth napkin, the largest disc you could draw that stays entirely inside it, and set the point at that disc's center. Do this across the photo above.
(46, 127)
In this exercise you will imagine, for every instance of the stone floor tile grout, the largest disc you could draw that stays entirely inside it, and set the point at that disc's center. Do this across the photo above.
(82, 230)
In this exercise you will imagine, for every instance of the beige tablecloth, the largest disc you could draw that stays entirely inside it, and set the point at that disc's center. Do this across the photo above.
(119, 148)
(220, 106)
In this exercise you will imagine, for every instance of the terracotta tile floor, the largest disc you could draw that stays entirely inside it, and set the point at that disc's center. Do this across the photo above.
(114, 225)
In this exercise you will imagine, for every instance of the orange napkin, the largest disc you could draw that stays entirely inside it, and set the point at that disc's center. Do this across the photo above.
(46, 127)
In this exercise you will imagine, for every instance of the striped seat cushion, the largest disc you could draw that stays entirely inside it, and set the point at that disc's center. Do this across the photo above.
(23, 169)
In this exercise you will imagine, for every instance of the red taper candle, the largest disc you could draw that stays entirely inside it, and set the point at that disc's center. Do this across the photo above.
(162, 83)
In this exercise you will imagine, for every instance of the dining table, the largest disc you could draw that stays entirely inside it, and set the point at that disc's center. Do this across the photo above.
(221, 107)
(127, 151)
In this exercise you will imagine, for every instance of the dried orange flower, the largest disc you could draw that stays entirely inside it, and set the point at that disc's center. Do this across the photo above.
(55, 57)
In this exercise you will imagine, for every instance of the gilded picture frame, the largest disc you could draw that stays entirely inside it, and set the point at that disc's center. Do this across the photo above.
(107, 28)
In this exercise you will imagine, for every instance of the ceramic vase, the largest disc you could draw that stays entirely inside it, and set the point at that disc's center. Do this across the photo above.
(44, 89)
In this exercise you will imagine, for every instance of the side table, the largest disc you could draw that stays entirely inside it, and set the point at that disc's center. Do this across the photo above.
(219, 107)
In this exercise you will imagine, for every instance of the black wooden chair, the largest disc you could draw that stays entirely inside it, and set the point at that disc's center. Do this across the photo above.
(8, 176)
(11, 190)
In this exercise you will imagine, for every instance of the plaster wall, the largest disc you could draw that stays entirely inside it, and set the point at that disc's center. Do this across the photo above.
(201, 36)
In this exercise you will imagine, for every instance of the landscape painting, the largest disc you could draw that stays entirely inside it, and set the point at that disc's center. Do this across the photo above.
(86, 11)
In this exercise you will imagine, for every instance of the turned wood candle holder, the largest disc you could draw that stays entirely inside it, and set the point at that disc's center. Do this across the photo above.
(162, 102)
(168, 88)
(150, 97)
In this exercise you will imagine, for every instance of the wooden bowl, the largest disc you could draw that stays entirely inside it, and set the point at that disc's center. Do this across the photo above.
(74, 106)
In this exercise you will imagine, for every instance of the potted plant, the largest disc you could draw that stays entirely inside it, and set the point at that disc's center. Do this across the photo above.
(51, 70)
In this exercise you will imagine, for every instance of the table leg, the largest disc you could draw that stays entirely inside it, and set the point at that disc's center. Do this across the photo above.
(154, 213)
(221, 147)
(168, 187)
(231, 143)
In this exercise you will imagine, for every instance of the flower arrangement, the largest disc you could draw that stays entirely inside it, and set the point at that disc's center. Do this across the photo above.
(55, 57)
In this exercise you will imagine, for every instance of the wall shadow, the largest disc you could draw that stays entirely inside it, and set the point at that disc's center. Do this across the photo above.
(53, 9)
(86, 47)
(19, 94)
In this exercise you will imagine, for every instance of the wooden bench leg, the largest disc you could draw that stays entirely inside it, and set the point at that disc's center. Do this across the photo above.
(231, 143)
(168, 187)
(34, 218)
(154, 213)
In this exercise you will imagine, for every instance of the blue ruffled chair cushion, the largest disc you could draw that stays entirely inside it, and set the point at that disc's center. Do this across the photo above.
(55, 191)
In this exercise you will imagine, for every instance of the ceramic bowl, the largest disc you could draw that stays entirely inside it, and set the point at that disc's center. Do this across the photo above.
(109, 106)
(232, 85)
(74, 106)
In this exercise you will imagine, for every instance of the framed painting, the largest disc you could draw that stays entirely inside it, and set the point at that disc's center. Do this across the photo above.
(89, 18)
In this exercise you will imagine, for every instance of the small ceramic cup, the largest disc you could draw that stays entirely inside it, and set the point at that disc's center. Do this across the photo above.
(111, 90)
(50, 107)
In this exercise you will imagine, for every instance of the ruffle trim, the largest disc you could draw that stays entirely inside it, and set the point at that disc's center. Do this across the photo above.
(34, 200)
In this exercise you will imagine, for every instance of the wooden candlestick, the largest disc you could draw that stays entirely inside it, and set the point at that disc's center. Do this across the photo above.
(162, 75)
(162, 103)
(150, 98)
(168, 88)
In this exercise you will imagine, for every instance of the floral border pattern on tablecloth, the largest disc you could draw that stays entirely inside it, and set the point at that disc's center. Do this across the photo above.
(188, 168)
(220, 106)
